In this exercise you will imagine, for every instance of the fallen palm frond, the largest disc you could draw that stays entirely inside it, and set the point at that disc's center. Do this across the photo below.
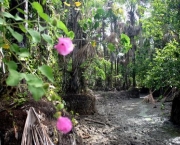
(34, 131)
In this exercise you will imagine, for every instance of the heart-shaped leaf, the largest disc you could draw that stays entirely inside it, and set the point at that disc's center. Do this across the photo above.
(15, 34)
(47, 71)
(35, 35)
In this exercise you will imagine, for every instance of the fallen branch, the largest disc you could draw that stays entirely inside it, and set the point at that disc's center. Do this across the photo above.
(86, 119)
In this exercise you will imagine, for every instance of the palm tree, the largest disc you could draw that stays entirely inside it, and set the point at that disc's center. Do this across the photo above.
(74, 81)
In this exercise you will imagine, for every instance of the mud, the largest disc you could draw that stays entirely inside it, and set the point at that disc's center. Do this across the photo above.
(119, 120)
(127, 121)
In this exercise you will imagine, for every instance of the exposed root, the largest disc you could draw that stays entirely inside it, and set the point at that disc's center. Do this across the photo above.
(149, 99)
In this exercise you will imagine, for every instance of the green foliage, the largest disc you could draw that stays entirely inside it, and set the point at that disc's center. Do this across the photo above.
(111, 47)
(57, 100)
(95, 69)
(47, 71)
(165, 67)
(158, 68)
(15, 34)
(62, 26)
(34, 35)
(38, 64)
(38, 7)
(100, 13)
(125, 43)
(42, 30)
(13, 78)
(20, 100)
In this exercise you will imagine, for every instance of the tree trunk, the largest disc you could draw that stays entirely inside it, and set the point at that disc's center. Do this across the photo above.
(133, 60)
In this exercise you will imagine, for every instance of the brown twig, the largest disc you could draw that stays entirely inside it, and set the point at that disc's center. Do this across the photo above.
(86, 119)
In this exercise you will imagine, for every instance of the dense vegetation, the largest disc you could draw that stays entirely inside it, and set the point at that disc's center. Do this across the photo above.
(117, 44)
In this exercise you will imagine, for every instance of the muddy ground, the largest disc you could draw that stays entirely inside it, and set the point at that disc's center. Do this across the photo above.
(128, 121)
(119, 120)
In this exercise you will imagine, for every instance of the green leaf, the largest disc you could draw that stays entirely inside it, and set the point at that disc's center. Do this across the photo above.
(89, 21)
(17, 18)
(22, 27)
(37, 92)
(99, 13)
(44, 16)
(1, 1)
(47, 71)
(111, 47)
(44, 2)
(15, 48)
(24, 52)
(70, 34)
(36, 82)
(11, 65)
(85, 26)
(37, 6)
(62, 26)
(96, 25)
(97, 16)
(33, 80)
(125, 39)
(28, 77)
(35, 35)
(47, 38)
(13, 78)
(21, 11)
(7, 15)
(15, 34)
(41, 28)
(2, 22)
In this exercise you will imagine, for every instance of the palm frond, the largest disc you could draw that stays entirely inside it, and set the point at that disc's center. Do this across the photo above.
(34, 131)
(84, 53)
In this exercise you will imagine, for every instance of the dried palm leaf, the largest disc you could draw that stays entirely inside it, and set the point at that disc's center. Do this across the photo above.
(132, 31)
(87, 51)
(112, 38)
(34, 131)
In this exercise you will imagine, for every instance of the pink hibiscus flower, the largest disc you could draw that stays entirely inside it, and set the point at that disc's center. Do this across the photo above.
(64, 46)
(64, 124)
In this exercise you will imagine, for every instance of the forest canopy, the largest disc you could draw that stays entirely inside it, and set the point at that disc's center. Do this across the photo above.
(116, 44)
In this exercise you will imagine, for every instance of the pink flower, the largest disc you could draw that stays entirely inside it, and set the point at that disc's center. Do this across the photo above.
(64, 124)
(64, 46)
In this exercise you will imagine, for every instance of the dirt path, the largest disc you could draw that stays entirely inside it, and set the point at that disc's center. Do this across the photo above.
(125, 121)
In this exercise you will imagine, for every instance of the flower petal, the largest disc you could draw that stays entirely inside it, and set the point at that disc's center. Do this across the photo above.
(67, 4)
(64, 124)
(77, 4)
(64, 46)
